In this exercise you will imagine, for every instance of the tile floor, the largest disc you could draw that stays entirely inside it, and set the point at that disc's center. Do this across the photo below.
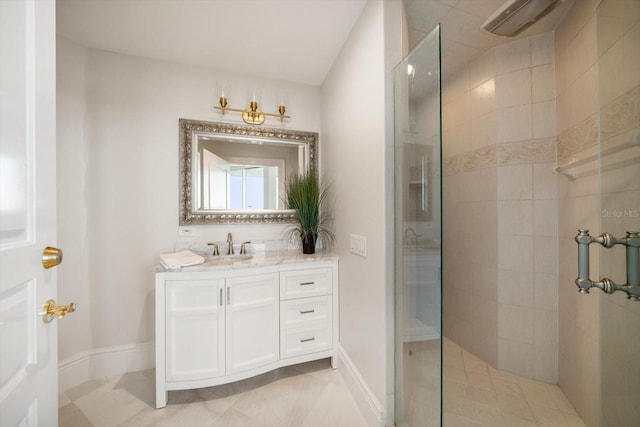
(476, 394)
(305, 395)
(313, 394)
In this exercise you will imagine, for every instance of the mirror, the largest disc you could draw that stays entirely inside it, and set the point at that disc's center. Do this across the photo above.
(236, 174)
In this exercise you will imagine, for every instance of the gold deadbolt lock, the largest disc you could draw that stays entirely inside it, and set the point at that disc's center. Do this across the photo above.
(53, 311)
(51, 257)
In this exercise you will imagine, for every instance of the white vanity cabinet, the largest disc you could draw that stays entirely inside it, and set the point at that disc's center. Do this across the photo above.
(219, 325)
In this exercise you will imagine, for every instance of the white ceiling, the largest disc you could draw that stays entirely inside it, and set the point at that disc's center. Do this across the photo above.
(287, 40)
(290, 40)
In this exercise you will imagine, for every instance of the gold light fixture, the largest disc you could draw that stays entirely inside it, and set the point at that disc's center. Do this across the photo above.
(252, 115)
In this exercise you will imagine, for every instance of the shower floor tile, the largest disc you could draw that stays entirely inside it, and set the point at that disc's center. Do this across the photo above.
(476, 394)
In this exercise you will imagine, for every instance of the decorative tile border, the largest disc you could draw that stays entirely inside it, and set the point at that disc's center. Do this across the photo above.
(621, 114)
(451, 165)
(537, 150)
(530, 151)
(478, 159)
(578, 138)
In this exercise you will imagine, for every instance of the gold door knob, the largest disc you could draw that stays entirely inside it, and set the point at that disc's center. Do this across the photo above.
(52, 311)
(51, 257)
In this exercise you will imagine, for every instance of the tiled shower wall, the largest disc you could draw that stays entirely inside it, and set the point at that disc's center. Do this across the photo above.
(500, 208)
(470, 292)
(527, 211)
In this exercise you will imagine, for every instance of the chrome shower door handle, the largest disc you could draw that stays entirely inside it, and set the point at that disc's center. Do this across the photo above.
(632, 243)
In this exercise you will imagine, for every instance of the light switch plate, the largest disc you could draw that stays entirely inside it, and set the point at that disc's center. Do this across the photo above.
(358, 245)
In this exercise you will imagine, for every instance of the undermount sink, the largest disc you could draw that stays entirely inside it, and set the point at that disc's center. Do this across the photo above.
(226, 259)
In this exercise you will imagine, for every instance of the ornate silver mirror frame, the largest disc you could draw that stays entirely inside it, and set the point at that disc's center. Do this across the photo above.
(189, 129)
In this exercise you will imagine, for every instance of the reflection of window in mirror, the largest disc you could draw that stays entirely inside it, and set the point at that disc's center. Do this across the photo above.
(253, 187)
(259, 183)
(239, 182)
(243, 176)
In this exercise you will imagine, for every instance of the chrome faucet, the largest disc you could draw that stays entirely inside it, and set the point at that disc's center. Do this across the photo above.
(215, 252)
(243, 248)
(230, 242)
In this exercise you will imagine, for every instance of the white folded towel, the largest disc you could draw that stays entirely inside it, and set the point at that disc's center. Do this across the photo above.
(180, 259)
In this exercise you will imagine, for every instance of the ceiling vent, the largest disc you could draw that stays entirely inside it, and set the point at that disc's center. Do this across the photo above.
(516, 16)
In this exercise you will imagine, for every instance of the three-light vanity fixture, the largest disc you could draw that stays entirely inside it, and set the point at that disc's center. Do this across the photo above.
(252, 115)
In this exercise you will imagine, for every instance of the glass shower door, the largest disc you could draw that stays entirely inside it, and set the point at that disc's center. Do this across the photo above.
(618, 26)
(418, 228)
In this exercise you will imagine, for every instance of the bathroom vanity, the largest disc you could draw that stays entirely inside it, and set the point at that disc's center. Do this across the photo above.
(221, 322)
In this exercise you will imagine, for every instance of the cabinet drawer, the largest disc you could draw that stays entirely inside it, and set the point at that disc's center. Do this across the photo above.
(296, 342)
(305, 283)
(307, 313)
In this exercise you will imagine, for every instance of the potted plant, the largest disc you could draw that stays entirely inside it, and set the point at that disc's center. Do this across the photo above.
(308, 198)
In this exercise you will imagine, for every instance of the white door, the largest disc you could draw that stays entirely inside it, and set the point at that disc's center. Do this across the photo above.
(28, 346)
(214, 181)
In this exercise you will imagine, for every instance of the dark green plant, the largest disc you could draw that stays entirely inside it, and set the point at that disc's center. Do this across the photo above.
(305, 194)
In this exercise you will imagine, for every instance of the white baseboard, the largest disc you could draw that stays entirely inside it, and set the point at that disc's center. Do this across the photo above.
(371, 408)
(103, 362)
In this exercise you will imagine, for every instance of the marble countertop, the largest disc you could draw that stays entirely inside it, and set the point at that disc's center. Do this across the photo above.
(258, 259)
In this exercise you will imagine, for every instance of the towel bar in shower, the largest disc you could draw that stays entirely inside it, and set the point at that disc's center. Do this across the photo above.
(632, 243)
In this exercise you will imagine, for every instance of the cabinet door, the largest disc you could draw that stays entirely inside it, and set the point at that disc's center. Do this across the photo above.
(252, 322)
(195, 329)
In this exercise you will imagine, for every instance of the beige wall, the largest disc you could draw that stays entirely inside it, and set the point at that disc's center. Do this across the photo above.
(353, 160)
(72, 160)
